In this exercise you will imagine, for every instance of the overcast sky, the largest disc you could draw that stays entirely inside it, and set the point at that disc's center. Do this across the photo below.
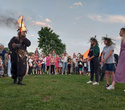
(75, 21)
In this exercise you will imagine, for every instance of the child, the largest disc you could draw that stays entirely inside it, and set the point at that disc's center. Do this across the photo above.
(1, 68)
(52, 62)
(60, 65)
(43, 64)
(48, 63)
(35, 66)
(76, 66)
(85, 63)
(30, 65)
(39, 66)
(69, 66)
(57, 64)
(80, 65)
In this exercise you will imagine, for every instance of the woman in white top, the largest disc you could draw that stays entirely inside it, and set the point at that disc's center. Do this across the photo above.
(43, 64)
(64, 60)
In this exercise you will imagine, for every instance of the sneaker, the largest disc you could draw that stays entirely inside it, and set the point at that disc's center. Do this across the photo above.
(89, 82)
(110, 87)
(95, 83)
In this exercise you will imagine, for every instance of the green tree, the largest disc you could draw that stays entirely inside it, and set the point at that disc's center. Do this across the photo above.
(6, 48)
(48, 41)
(30, 53)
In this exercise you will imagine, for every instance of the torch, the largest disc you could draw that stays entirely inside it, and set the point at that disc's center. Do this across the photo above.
(22, 27)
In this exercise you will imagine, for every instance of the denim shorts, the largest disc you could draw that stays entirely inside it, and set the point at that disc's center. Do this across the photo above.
(109, 67)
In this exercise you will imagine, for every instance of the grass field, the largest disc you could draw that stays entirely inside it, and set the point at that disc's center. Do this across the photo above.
(57, 92)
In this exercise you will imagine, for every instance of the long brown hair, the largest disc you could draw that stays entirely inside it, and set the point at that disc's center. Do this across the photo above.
(123, 37)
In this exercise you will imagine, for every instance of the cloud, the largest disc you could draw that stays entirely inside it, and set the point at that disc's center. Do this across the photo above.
(108, 18)
(32, 35)
(79, 17)
(119, 38)
(41, 22)
(28, 18)
(38, 23)
(40, 17)
(74, 23)
(47, 20)
(77, 4)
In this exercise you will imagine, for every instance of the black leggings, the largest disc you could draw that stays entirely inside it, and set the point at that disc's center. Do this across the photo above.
(94, 66)
(102, 71)
(69, 68)
(30, 70)
(52, 69)
(47, 68)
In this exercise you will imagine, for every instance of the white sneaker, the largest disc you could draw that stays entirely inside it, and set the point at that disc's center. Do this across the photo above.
(95, 83)
(110, 87)
(89, 82)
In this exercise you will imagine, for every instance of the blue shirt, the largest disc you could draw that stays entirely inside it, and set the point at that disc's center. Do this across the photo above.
(2, 54)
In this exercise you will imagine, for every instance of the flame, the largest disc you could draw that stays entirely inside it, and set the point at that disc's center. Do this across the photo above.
(22, 26)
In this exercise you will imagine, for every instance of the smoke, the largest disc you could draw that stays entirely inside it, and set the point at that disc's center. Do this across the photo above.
(8, 21)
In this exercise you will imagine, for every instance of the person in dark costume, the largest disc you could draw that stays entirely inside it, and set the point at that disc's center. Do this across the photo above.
(18, 46)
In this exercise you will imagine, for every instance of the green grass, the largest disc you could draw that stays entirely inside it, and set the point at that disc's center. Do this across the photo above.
(57, 92)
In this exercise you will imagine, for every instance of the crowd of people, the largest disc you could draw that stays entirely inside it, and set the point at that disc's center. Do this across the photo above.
(57, 64)
(104, 64)
(53, 64)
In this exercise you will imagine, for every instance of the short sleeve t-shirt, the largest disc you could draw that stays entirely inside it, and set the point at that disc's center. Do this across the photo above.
(44, 60)
(65, 58)
(36, 56)
(30, 61)
(74, 60)
(80, 64)
(106, 51)
(35, 64)
(47, 61)
(76, 64)
(39, 63)
(85, 64)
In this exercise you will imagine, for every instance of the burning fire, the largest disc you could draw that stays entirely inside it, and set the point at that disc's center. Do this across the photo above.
(22, 26)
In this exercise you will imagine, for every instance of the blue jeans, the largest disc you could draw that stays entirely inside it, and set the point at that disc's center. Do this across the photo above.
(73, 68)
(43, 68)
(64, 69)
(1, 71)
(9, 68)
